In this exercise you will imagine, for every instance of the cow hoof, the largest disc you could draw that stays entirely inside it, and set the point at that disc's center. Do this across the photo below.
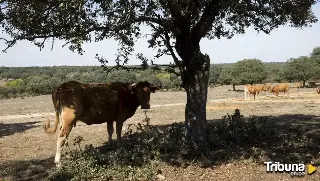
(58, 165)
(109, 143)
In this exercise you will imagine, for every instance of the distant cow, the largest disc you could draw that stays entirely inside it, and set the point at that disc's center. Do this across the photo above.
(280, 88)
(96, 104)
(254, 89)
(318, 90)
(247, 90)
(266, 87)
(297, 84)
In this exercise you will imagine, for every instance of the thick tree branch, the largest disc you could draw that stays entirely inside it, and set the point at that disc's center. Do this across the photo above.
(181, 22)
(166, 39)
(205, 23)
(175, 11)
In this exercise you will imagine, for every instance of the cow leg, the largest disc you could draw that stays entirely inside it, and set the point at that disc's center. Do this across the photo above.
(110, 132)
(68, 118)
(119, 125)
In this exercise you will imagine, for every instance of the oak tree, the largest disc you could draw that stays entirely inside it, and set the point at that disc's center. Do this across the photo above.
(249, 71)
(177, 28)
(228, 77)
(302, 69)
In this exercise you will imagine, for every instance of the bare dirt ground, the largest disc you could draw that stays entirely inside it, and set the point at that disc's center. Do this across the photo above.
(27, 152)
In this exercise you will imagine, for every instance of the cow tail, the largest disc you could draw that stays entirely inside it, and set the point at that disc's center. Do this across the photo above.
(56, 103)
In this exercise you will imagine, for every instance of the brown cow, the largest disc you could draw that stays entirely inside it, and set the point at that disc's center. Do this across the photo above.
(280, 88)
(258, 88)
(247, 90)
(318, 90)
(266, 87)
(254, 89)
(96, 104)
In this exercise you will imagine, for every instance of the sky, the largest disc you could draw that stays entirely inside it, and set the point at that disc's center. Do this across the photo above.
(283, 43)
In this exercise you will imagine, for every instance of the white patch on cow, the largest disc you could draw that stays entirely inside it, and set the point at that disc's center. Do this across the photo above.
(245, 91)
(59, 142)
(58, 153)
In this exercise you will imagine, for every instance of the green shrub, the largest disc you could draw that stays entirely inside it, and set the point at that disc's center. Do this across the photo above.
(11, 92)
(38, 85)
(142, 153)
(14, 83)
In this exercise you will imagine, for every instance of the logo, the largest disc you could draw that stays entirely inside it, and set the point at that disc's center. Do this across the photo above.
(294, 169)
(311, 169)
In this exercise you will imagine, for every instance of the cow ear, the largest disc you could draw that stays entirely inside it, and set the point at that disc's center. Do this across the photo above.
(153, 88)
(132, 88)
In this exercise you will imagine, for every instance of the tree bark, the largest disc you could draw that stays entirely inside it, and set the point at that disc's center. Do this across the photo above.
(303, 83)
(196, 86)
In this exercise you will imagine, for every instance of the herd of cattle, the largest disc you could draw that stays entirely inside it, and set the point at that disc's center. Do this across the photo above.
(112, 102)
(282, 87)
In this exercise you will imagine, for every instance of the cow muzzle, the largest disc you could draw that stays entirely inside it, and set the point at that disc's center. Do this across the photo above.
(146, 106)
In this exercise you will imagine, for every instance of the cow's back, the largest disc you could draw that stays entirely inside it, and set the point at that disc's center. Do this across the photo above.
(105, 102)
(56, 93)
(280, 88)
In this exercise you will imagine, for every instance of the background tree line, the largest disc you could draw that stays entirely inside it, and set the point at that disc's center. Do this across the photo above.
(25, 81)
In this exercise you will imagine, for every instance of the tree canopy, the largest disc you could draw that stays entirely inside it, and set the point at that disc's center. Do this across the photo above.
(315, 52)
(174, 23)
(226, 76)
(315, 56)
(302, 69)
(177, 28)
(249, 71)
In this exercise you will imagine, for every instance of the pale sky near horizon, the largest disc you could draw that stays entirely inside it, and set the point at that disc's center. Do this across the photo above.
(282, 44)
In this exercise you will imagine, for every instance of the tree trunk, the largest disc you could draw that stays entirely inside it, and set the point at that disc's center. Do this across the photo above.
(196, 86)
(303, 83)
(234, 87)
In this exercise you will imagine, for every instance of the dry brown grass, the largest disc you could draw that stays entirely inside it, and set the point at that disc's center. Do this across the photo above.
(23, 141)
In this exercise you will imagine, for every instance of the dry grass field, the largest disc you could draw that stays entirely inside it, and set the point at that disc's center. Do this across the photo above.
(27, 152)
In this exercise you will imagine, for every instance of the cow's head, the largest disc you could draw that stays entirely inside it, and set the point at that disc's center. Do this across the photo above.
(271, 89)
(266, 87)
(143, 91)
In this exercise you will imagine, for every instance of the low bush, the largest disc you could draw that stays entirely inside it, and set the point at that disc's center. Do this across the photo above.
(144, 148)
(11, 92)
